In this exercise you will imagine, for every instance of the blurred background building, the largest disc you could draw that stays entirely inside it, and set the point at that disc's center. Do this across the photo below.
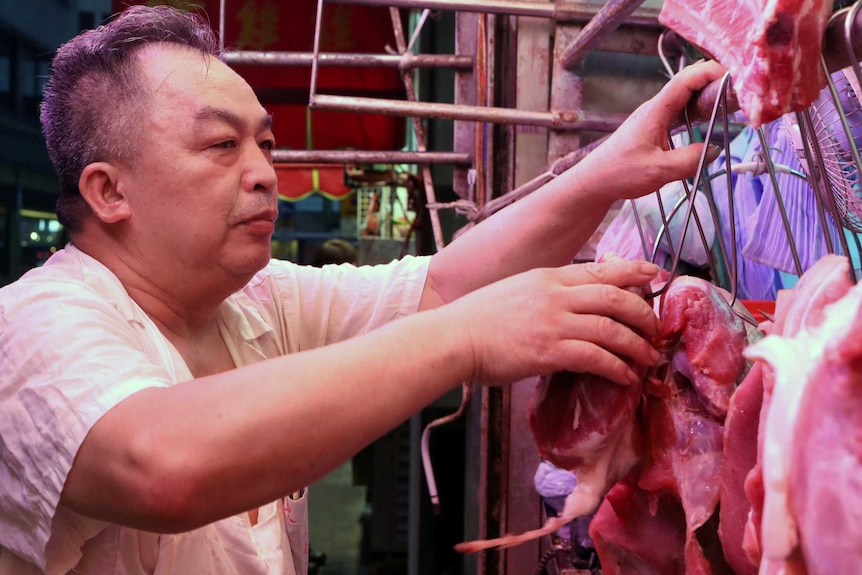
(30, 32)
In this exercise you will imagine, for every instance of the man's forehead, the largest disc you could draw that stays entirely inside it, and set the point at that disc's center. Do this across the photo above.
(188, 78)
(213, 114)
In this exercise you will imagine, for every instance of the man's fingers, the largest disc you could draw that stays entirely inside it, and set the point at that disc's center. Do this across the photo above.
(617, 272)
(675, 95)
(613, 336)
(591, 358)
(617, 303)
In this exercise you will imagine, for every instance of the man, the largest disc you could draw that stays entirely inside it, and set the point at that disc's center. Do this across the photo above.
(167, 391)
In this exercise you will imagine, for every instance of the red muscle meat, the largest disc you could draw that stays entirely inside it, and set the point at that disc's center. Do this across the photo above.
(713, 337)
(636, 532)
(586, 424)
(685, 447)
(676, 492)
(770, 47)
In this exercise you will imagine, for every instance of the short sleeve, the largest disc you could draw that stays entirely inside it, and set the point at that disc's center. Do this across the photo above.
(67, 356)
(318, 306)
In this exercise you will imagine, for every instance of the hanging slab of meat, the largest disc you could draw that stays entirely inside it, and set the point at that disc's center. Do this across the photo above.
(641, 533)
(739, 458)
(817, 375)
(586, 424)
(826, 469)
(685, 454)
(678, 487)
(770, 47)
(773, 522)
(713, 335)
(687, 398)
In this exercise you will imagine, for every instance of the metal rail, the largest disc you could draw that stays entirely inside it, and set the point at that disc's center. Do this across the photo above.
(568, 12)
(332, 59)
(281, 156)
(554, 120)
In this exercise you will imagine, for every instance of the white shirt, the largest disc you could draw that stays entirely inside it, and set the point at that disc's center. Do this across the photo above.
(73, 344)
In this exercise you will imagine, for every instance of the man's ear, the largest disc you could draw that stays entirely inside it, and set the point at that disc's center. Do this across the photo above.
(99, 186)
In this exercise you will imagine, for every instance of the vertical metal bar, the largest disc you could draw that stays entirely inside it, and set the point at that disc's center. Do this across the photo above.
(418, 129)
(221, 17)
(816, 182)
(480, 142)
(641, 230)
(316, 53)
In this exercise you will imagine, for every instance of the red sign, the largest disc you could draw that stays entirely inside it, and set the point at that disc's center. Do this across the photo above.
(288, 25)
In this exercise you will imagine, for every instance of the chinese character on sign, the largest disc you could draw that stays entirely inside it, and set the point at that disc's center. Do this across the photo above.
(259, 25)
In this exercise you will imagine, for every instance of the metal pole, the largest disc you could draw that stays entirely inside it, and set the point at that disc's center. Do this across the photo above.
(418, 129)
(369, 157)
(608, 19)
(406, 62)
(555, 120)
(558, 11)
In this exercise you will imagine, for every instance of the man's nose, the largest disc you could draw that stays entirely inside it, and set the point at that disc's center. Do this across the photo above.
(259, 172)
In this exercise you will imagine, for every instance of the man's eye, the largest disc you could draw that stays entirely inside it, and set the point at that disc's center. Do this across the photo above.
(225, 144)
(267, 144)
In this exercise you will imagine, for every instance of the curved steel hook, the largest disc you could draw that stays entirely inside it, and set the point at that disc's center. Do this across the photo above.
(700, 170)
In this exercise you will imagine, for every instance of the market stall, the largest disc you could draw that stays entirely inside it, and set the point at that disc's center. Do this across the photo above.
(710, 464)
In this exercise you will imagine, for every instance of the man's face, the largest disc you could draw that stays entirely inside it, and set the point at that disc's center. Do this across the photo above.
(202, 189)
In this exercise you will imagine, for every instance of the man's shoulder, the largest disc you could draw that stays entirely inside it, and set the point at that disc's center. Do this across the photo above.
(67, 278)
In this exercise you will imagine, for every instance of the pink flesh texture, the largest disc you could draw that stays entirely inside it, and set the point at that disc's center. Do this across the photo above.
(713, 335)
(826, 470)
(772, 534)
(639, 533)
(739, 458)
(684, 453)
(577, 416)
(685, 446)
(770, 47)
(586, 424)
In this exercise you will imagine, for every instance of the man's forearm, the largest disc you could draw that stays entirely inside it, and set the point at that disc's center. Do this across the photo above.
(544, 229)
(173, 459)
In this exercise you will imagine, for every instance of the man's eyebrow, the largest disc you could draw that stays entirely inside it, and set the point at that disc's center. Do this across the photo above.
(210, 114)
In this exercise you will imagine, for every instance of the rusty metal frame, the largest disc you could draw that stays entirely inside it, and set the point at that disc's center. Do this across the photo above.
(556, 120)
(402, 62)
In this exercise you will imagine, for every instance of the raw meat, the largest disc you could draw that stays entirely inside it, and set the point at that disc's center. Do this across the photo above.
(739, 458)
(587, 425)
(713, 336)
(685, 445)
(770, 47)
(636, 532)
(772, 535)
(663, 520)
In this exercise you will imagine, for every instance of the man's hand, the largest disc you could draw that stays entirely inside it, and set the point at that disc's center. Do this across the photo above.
(577, 318)
(635, 159)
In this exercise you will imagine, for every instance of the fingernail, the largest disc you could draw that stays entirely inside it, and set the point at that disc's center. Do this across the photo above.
(713, 152)
(648, 268)
(633, 377)
(654, 355)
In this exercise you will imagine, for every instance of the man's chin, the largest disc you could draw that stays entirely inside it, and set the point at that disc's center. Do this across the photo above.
(244, 268)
